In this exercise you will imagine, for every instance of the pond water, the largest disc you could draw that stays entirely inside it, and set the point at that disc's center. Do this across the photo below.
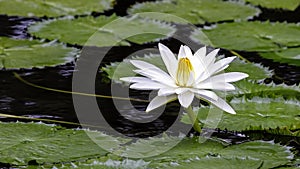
(17, 98)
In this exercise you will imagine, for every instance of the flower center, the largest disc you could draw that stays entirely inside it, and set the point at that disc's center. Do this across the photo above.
(184, 72)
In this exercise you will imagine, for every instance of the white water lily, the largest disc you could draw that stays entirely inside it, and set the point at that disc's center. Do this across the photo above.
(187, 77)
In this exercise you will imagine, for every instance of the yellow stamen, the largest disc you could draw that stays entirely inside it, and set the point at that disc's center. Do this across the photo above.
(184, 71)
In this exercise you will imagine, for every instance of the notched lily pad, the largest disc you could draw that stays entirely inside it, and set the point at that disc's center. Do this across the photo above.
(256, 114)
(15, 54)
(190, 153)
(52, 8)
(251, 89)
(24, 142)
(196, 11)
(287, 4)
(102, 31)
(250, 36)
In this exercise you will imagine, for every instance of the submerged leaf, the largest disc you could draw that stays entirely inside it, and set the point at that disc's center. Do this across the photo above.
(250, 36)
(290, 56)
(102, 31)
(195, 11)
(15, 54)
(52, 8)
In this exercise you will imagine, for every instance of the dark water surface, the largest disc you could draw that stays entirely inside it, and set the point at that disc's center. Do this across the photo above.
(17, 98)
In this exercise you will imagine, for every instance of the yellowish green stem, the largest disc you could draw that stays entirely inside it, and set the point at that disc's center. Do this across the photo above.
(193, 118)
(76, 93)
(240, 56)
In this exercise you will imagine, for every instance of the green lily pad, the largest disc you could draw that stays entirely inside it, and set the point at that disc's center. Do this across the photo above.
(191, 153)
(246, 155)
(125, 69)
(102, 31)
(255, 114)
(216, 162)
(287, 4)
(15, 54)
(52, 8)
(196, 11)
(250, 36)
(22, 143)
(251, 89)
(290, 56)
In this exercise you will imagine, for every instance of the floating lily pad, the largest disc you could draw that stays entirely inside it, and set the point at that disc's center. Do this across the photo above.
(191, 153)
(251, 89)
(287, 4)
(102, 31)
(196, 11)
(52, 8)
(255, 114)
(16, 54)
(216, 162)
(125, 69)
(251, 36)
(22, 143)
(290, 56)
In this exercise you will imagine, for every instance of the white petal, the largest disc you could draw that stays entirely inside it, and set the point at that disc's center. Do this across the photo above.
(188, 52)
(191, 79)
(200, 53)
(228, 77)
(203, 76)
(223, 86)
(166, 91)
(158, 76)
(198, 62)
(147, 86)
(159, 101)
(211, 57)
(181, 90)
(223, 105)
(169, 59)
(143, 65)
(206, 94)
(221, 65)
(135, 79)
(152, 71)
(186, 98)
(181, 53)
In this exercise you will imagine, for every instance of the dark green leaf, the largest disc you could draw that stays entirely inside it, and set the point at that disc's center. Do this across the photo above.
(24, 142)
(255, 114)
(102, 31)
(287, 4)
(16, 54)
(195, 11)
(250, 36)
(52, 8)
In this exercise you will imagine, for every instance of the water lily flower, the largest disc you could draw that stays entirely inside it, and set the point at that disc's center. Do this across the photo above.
(187, 76)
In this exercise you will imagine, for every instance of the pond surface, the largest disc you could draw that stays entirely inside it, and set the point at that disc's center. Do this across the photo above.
(17, 98)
